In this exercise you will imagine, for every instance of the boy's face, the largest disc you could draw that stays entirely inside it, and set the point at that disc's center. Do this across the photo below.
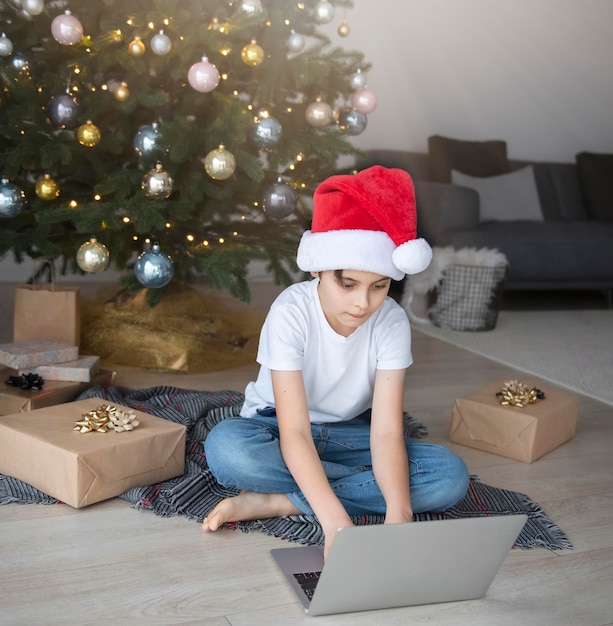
(349, 298)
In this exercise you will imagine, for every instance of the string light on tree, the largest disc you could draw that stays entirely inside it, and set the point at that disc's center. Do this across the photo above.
(203, 76)
(46, 188)
(67, 29)
(93, 256)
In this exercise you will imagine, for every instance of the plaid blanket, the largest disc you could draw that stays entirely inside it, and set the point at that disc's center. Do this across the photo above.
(196, 492)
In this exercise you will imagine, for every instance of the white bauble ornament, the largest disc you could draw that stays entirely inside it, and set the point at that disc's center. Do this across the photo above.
(295, 42)
(324, 12)
(66, 29)
(161, 44)
(33, 7)
(6, 46)
(364, 100)
(203, 76)
(357, 80)
(251, 7)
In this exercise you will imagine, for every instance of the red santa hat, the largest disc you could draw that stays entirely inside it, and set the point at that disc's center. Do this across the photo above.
(366, 222)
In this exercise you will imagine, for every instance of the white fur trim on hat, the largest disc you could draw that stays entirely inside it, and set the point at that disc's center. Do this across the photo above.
(412, 256)
(362, 250)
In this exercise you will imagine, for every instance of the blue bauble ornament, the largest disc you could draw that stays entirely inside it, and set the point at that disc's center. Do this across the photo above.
(279, 200)
(266, 132)
(64, 110)
(154, 268)
(12, 199)
(147, 142)
(351, 122)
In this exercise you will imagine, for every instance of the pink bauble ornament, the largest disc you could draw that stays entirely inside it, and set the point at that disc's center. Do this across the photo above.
(203, 76)
(364, 101)
(66, 29)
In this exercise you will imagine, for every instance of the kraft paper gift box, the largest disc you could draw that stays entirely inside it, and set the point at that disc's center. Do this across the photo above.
(80, 370)
(478, 420)
(42, 449)
(14, 400)
(24, 354)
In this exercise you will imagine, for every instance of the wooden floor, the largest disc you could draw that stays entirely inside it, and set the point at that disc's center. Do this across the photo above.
(110, 563)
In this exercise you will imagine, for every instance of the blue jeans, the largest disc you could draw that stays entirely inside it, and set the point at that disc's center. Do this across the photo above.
(244, 453)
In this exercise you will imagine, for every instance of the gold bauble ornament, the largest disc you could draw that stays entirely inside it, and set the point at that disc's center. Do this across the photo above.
(88, 134)
(252, 54)
(343, 29)
(93, 256)
(220, 163)
(136, 47)
(46, 188)
(121, 92)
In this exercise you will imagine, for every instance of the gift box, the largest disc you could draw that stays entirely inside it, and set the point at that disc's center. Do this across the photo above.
(42, 449)
(15, 400)
(524, 433)
(82, 370)
(24, 354)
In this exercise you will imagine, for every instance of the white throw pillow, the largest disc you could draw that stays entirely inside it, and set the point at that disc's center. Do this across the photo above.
(507, 197)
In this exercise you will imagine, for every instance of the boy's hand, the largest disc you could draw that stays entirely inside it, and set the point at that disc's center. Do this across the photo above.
(330, 534)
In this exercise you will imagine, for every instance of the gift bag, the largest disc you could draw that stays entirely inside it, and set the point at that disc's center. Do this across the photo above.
(47, 311)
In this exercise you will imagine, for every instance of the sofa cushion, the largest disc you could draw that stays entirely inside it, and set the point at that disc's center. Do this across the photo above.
(596, 179)
(477, 158)
(507, 197)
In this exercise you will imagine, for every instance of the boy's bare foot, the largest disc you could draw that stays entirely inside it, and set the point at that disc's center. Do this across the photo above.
(249, 505)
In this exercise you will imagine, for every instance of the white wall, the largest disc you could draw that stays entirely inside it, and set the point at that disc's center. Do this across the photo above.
(537, 73)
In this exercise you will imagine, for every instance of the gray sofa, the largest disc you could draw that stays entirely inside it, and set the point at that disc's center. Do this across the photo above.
(567, 247)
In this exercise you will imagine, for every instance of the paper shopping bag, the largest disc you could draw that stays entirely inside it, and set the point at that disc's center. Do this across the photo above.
(47, 311)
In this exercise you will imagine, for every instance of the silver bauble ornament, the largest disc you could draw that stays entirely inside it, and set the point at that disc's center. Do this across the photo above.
(357, 80)
(64, 110)
(6, 46)
(319, 114)
(220, 163)
(351, 122)
(161, 44)
(157, 183)
(266, 132)
(154, 268)
(295, 42)
(279, 200)
(33, 7)
(93, 256)
(146, 141)
(12, 199)
(251, 7)
(324, 12)
(21, 62)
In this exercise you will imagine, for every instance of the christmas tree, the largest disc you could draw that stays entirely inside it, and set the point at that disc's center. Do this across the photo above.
(175, 138)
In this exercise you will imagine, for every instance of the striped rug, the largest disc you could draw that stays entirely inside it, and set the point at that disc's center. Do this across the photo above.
(196, 492)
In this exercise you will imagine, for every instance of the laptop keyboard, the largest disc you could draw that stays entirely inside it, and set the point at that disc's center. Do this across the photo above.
(308, 582)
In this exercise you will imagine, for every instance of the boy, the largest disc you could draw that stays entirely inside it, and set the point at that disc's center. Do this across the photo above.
(321, 429)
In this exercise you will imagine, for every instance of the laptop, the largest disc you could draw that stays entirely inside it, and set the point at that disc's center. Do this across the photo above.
(394, 565)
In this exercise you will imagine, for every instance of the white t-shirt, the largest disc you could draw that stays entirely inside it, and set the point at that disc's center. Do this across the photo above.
(338, 372)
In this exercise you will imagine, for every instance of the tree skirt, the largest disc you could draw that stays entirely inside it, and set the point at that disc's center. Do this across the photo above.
(196, 492)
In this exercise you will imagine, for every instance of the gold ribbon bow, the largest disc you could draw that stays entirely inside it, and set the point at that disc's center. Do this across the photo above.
(515, 393)
(107, 417)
